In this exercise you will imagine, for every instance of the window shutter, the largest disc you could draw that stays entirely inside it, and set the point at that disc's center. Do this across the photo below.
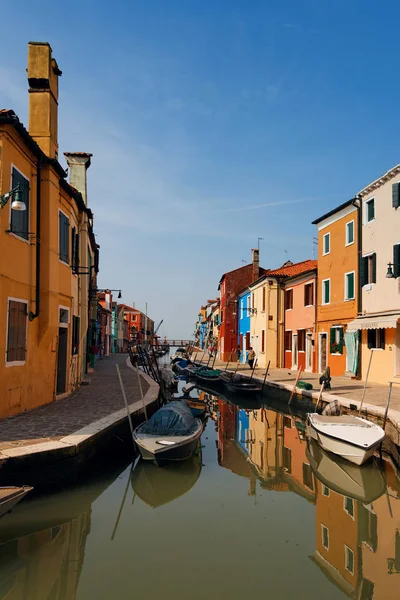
(332, 335)
(363, 270)
(396, 260)
(73, 257)
(20, 219)
(350, 285)
(395, 195)
(371, 338)
(382, 339)
(373, 268)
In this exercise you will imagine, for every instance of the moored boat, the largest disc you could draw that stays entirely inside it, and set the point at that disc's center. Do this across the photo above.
(171, 434)
(239, 384)
(208, 376)
(10, 496)
(352, 438)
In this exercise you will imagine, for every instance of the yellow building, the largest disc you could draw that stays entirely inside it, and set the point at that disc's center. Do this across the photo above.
(49, 255)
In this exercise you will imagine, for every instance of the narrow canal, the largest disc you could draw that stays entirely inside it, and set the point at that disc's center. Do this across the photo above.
(255, 514)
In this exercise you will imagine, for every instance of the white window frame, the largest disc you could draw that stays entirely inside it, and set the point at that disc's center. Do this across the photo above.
(18, 237)
(326, 491)
(346, 548)
(313, 292)
(326, 235)
(291, 333)
(347, 233)
(290, 290)
(67, 308)
(323, 291)
(16, 363)
(322, 536)
(346, 295)
(345, 509)
(69, 229)
(366, 202)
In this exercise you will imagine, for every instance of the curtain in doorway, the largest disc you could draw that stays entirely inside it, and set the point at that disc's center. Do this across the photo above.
(351, 343)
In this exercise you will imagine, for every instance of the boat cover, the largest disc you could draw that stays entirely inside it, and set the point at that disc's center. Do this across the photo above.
(174, 418)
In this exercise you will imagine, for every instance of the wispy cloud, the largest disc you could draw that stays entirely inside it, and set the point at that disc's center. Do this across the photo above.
(265, 205)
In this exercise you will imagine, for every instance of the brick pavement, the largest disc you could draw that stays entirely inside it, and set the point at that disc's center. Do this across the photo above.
(89, 403)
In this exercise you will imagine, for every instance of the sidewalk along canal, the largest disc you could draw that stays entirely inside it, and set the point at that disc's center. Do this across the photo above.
(89, 422)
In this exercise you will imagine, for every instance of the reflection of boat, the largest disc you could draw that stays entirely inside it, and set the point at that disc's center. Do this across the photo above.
(239, 384)
(197, 407)
(171, 434)
(364, 483)
(208, 376)
(243, 401)
(353, 438)
(159, 486)
(10, 496)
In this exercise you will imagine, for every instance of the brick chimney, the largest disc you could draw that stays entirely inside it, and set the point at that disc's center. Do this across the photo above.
(43, 74)
(255, 256)
(78, 163)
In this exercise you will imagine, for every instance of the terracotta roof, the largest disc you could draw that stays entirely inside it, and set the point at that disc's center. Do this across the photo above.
(297, 269)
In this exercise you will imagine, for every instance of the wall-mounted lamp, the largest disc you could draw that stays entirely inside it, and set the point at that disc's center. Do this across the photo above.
(108, 290)
(17, 203)
(390, 274)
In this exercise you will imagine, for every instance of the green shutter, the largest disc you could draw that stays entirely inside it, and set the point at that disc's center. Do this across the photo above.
(363, 270)
(396, 260)
(350, 286)
(373, 268)
(20, 219)
(395, 195)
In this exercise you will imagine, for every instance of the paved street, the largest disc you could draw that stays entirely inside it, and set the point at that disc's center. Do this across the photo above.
(90, 403)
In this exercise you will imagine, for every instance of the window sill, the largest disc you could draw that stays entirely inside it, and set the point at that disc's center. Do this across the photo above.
(63, 262)
(325, 253)
(325, 304)
(308, 305)
(336, 353)
(349, 243)
(19, 237)
(16, 363)
(349, 299)
(377, 349)
(368, 222)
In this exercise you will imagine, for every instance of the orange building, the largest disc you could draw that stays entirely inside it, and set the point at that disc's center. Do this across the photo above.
(49, 254)
(337, 295)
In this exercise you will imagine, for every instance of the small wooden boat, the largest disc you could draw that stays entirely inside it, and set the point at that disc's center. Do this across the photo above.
(10, 496)
(208, 376)
(171, 434)
(239, 384)
(198, 407)
(365, 483)
(352, 438)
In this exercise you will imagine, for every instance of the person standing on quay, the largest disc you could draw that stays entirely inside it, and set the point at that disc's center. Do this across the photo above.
(238, 353)
(250, 357)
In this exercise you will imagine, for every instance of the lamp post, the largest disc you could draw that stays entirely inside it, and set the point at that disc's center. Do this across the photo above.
(390, 273)
(17, 203)
(108, 290)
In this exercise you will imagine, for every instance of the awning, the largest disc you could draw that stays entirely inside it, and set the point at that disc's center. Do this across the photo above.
(374, 322)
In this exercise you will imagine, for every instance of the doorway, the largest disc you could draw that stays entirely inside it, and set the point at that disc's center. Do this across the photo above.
(62, 360)
(309, 352)
(322, 357)
(254, 344)
(397, 370)
(295, 351)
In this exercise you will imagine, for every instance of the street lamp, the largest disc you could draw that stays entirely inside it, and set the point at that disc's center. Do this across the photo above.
(108, 290)
(390, 274)
(17, 203)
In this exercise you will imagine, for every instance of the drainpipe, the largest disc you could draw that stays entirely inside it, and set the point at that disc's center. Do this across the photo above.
(357, 202)
(34, 315)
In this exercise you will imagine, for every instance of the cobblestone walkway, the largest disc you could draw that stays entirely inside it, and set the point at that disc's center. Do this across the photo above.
(99, 399)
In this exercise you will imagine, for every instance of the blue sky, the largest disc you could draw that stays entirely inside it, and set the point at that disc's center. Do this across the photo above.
(212, 123)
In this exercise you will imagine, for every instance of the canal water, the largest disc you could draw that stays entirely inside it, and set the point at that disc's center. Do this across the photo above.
(256, 513)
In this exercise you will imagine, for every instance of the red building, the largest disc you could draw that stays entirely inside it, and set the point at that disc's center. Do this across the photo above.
(230, 285)
(140, 326)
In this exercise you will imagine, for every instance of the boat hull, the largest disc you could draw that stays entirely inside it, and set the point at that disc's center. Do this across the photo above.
(180, 451)
(9, 502)
(351, 452)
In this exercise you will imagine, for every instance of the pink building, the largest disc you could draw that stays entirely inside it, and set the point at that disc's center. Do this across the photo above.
(300, 315)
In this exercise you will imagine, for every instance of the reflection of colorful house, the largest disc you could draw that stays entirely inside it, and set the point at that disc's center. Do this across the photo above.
(242, 434)
(298, 471)
(243, 317)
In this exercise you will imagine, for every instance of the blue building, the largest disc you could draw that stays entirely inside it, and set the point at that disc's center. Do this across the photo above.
(244, 323)
(242, 429)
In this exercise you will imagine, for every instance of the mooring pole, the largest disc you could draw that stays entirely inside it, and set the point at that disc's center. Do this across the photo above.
(366, 381)
(229, 360)
(265, 376)
(126, 405)
(295, 385)
(254, 368)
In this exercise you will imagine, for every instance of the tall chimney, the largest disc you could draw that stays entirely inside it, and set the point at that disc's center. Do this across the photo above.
(43, 74)
(78, 163)
(255, 256)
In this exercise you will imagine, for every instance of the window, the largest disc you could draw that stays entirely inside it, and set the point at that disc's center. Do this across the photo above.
(326, 491)
(368, 269)
(252, 301)
(63, 237)
(288, 341)
(336, 339)
(325, 536)
(349, 233)
(75, 334)
(287, 422)
(288, 299)
(20, 218)
(395, 195)
(301, 340)
(349, 286)
(263, 299)
(242, 308)
(263, 340)
(376, 338)
(287, 459)
(308, 476)
(326, 291)
(367, 590)
(349, 506)
(16, 331)
(370, 210)
(396, 260)
(75, 250)
(326, 243)
(349, 559)
(309, 294)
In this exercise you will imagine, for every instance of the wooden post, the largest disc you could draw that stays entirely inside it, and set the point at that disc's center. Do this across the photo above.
(320, 396)
(387, 405)
(215, 358)
(254, 368)
(265, 376)
(366, 380)
(295, 385)
(141, 393)
(230, 356)
(126, 406)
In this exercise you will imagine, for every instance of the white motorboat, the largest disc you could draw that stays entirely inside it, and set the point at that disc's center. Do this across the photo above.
(352, 438)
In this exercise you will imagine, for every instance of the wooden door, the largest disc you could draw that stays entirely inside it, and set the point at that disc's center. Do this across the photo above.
(62, 360)
(322, 352)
